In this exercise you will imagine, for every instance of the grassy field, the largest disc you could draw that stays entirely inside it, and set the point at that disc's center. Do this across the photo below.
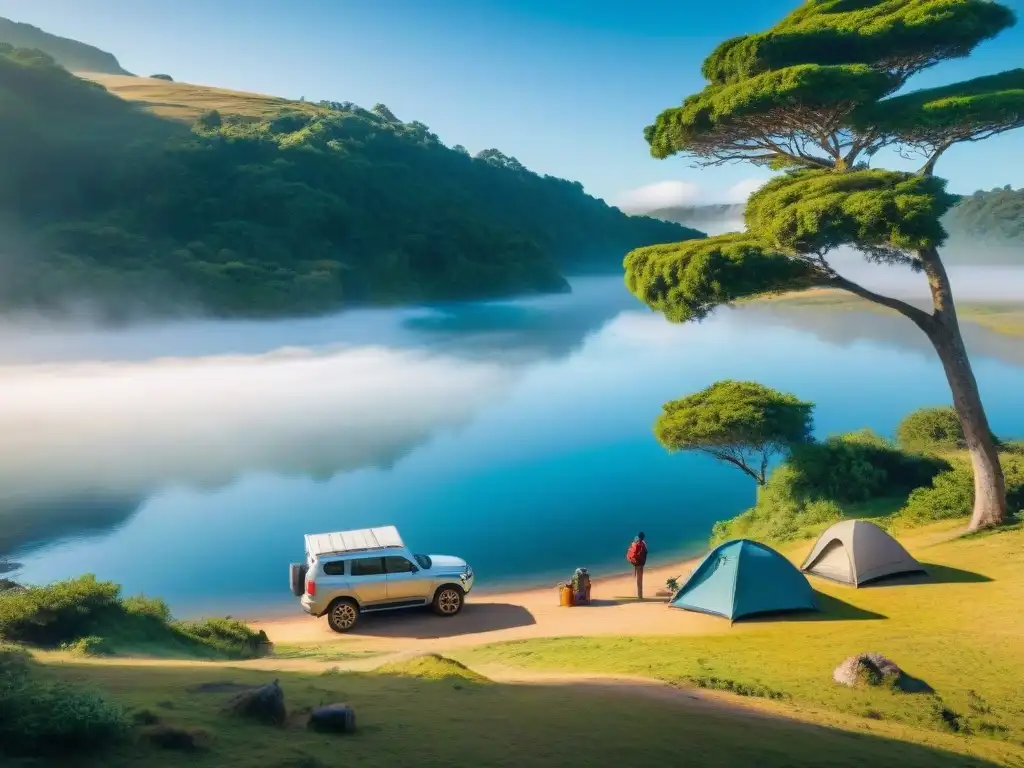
(960, 632)
(1002, 317)
(430, 712)
(186, 102)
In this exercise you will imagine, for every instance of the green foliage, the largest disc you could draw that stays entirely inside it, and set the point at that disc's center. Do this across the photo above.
(783, 512)
(687, 281)
(305, 211)
(859, 466)
(814, 211)
(935, 115)
(58, 613)
(70, 54)
(168, 78)
(88, 617)
(740, 422)
(931, 429)
(821, 481)
(719, 108)
(828, 32)
(40, 717)
(951, 494)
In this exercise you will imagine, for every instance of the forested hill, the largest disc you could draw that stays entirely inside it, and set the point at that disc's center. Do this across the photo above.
(996, 215)
(267, 207)
(70, 54)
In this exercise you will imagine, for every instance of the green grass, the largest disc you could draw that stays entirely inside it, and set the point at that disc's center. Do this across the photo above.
(320, 653)
(960, 633)
(430, 713)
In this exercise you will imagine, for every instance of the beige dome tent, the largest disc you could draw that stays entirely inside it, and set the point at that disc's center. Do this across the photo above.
(856, 552)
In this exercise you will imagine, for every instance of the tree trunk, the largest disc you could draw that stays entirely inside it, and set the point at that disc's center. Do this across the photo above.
(944, 332)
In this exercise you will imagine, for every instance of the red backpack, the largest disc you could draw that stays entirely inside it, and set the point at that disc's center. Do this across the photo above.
(633, 553)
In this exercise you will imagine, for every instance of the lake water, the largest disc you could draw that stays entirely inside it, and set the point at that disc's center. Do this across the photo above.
(187, 460)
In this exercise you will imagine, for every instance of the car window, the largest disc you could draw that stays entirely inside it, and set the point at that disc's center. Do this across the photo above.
(334, 568)
(368, 566)
(398, 564)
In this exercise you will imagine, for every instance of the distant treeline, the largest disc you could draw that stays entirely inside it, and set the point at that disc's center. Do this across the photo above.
(994, 215)
(316, 208)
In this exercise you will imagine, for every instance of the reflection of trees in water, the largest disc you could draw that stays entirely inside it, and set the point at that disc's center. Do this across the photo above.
(45, 521)
(843, 327)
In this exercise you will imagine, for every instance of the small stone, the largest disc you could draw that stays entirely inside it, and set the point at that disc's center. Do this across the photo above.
(333, 718)
(265, 704)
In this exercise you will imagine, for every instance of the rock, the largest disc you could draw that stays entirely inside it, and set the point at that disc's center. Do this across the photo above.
(333, 718)
(868, 668)
(265, 703)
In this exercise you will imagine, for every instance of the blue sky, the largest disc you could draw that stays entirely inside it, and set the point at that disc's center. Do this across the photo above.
(566, 86)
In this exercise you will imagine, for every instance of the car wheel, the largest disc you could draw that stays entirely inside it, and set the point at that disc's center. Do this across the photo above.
(342, 615)
(448, 600)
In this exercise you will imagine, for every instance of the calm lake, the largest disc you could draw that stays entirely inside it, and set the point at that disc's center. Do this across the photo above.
(187, 460)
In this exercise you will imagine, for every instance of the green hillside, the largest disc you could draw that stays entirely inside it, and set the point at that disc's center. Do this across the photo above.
(70, 54)
(243, 205)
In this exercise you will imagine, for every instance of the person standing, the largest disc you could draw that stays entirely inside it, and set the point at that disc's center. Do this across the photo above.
(637, 556)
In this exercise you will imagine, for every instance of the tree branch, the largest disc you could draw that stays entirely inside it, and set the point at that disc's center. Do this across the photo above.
(722, 456)
(921, 319)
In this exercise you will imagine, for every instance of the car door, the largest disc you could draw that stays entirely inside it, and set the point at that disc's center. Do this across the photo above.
(368, 580)
(406, 581)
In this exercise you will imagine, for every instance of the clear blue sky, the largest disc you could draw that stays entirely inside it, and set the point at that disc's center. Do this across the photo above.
(566, 86)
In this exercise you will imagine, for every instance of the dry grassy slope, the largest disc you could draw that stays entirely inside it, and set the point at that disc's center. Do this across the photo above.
(185, 102)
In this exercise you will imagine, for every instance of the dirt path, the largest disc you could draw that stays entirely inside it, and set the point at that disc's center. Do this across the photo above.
(490, 618)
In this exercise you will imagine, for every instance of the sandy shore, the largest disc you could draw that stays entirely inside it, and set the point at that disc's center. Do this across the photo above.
(517, 615)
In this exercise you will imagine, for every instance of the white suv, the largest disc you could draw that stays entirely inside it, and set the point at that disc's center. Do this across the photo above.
(353, 572)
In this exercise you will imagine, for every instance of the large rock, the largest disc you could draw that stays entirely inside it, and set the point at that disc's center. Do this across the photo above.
(876, 669)
(265, 704)
(333, 718)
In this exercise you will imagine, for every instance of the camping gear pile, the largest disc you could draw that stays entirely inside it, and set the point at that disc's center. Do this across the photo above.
(743, 578)
(576, 591)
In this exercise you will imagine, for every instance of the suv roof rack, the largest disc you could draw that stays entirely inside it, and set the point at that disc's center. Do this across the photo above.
(361, 540)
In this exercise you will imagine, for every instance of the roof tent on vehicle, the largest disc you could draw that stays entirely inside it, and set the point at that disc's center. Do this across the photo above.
(352, 541)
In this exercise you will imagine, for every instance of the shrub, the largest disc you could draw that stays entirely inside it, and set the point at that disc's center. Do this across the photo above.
(41, 717)
(88, 646)
(168, 78)
(783, 512)
(858, 466)
(932, 429)
(58, 613)
(228, 636)
(951, 493)
(152, 607)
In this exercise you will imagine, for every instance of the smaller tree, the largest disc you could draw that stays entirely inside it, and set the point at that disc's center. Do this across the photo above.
(740, 422)
(936, 428)
(168, 78)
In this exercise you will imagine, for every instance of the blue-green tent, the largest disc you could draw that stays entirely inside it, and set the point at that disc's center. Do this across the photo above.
(743, 577)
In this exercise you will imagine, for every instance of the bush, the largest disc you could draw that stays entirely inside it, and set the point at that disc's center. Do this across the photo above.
(41, 717)
(858, 466)
(87, 617)
(58, 613)
(782, 512)
(951, 494)
(168, 78)
(228, 636)
(932, 429)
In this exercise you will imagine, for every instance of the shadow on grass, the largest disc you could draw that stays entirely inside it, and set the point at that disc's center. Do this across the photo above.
(934, 574)
(423, 624)
(829, 609)
(545, 724)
